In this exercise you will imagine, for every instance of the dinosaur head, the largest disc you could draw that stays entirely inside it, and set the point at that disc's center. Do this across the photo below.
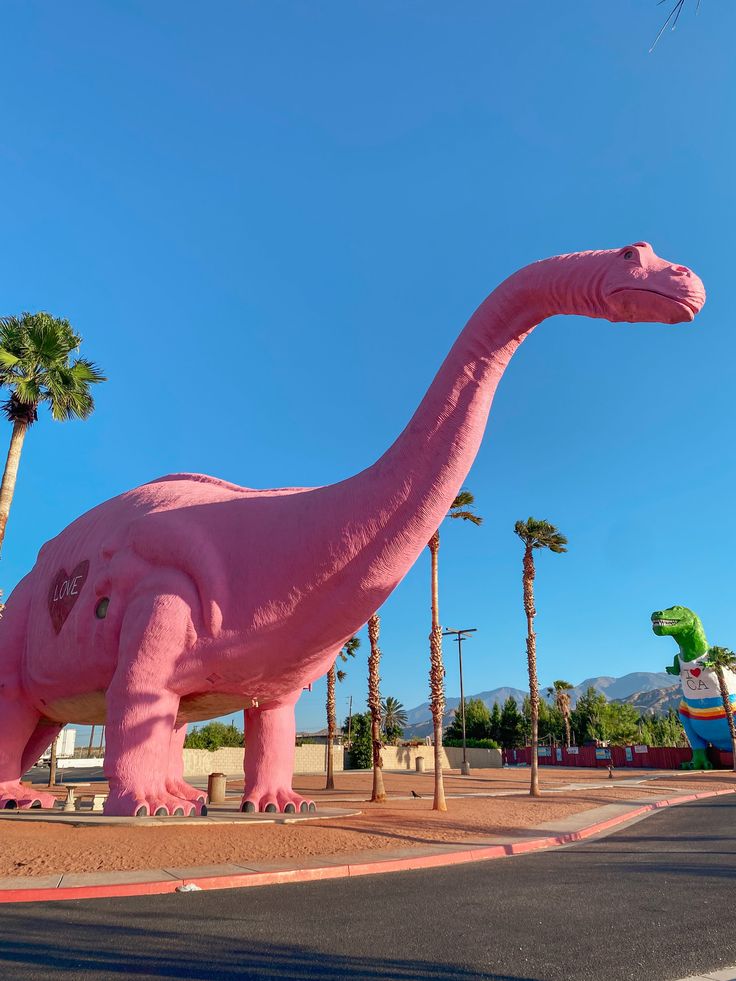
(684, 627)
(639, 287)
(673, 621)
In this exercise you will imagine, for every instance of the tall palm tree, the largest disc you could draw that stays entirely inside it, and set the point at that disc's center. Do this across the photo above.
(560, 691)
(378, 793)
(349, 650)
(35, 365)
(721, 659)
(535, 534)
(394, 716)
(462, 508)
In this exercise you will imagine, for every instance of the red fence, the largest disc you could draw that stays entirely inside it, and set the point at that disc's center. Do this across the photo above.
(652, 757)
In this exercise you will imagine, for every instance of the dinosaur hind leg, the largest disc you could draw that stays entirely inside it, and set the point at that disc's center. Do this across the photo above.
(41, 738)
(19, 727)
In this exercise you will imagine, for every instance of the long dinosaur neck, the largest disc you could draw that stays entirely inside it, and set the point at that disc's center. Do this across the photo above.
(390, 510)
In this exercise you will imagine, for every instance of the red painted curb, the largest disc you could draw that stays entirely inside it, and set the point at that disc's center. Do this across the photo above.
(246, 879)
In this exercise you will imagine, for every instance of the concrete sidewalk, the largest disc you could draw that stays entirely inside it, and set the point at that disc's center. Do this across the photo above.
(585, 825)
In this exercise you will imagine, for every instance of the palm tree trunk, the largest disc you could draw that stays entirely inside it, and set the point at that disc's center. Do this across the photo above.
(374, 704)
(331, 726)
(729, 714)
(436, 677)
(10, 474)
(531, 654)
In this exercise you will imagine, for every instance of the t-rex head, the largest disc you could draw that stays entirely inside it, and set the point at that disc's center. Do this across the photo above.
(638, 286)
(686, 630)
(673, 621)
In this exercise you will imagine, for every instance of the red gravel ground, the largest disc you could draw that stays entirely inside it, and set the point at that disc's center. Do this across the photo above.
(40, 848)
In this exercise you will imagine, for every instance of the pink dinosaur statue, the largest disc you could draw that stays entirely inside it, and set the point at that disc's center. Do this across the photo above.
(190, 597)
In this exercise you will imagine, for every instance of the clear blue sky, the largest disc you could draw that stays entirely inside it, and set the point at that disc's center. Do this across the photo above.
(270, 221)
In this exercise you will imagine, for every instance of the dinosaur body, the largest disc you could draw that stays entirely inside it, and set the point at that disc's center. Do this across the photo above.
(701, 710)
(190, 597)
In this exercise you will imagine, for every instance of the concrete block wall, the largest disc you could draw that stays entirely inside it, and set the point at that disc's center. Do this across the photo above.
(404, 757)
(310, 758)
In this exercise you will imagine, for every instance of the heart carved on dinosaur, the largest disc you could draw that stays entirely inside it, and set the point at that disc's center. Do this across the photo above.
(64, 592)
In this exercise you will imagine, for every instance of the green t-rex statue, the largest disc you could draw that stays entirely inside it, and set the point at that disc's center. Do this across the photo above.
(701, 710)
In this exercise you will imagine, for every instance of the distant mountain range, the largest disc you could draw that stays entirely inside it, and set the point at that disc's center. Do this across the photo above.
(649, 691)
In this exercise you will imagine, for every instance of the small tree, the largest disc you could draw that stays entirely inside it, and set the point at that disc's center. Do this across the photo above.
(560, 690)
(213, 735)
(496, 723)
(721, 660)
(477, 722)
(349, 650)
(394, 719)
(511, 732)
(535, 534)
(361, 746)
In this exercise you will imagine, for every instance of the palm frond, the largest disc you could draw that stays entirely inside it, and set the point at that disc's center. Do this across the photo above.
(466, 516)
(540, 534)
(463, 507)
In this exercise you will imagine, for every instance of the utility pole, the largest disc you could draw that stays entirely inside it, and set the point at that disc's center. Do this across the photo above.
(52, 764)
(459, 636)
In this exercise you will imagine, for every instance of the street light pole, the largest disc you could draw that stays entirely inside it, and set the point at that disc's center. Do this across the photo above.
(459, 636)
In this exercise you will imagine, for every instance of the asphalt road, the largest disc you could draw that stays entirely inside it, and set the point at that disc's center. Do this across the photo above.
(653, 902)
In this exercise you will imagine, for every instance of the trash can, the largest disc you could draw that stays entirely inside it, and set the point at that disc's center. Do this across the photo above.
(216, 788)
(419, 764)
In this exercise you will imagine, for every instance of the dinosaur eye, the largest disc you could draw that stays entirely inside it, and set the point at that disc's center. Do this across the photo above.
(629, 254)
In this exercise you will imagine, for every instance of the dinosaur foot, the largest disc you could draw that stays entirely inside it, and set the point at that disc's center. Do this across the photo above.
(276, 801)
(13, 795)
(185, 791)
(150, 804)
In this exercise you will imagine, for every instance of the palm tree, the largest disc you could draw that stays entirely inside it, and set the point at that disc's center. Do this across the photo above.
(35, 366)
(560, 691)
(462, 508)
(378, 794)
(535, 534)
(394, 717)
(349, 650)
(720, 660)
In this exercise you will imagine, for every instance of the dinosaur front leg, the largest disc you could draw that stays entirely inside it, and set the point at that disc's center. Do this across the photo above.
(698, 745)
(141, 705)
(269, 758)
(175, 782)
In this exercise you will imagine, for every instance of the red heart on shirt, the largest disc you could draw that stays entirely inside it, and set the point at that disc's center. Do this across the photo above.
(64, 593)
(695, 672)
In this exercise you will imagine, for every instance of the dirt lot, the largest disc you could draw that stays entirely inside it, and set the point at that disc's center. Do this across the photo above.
(41, 848)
